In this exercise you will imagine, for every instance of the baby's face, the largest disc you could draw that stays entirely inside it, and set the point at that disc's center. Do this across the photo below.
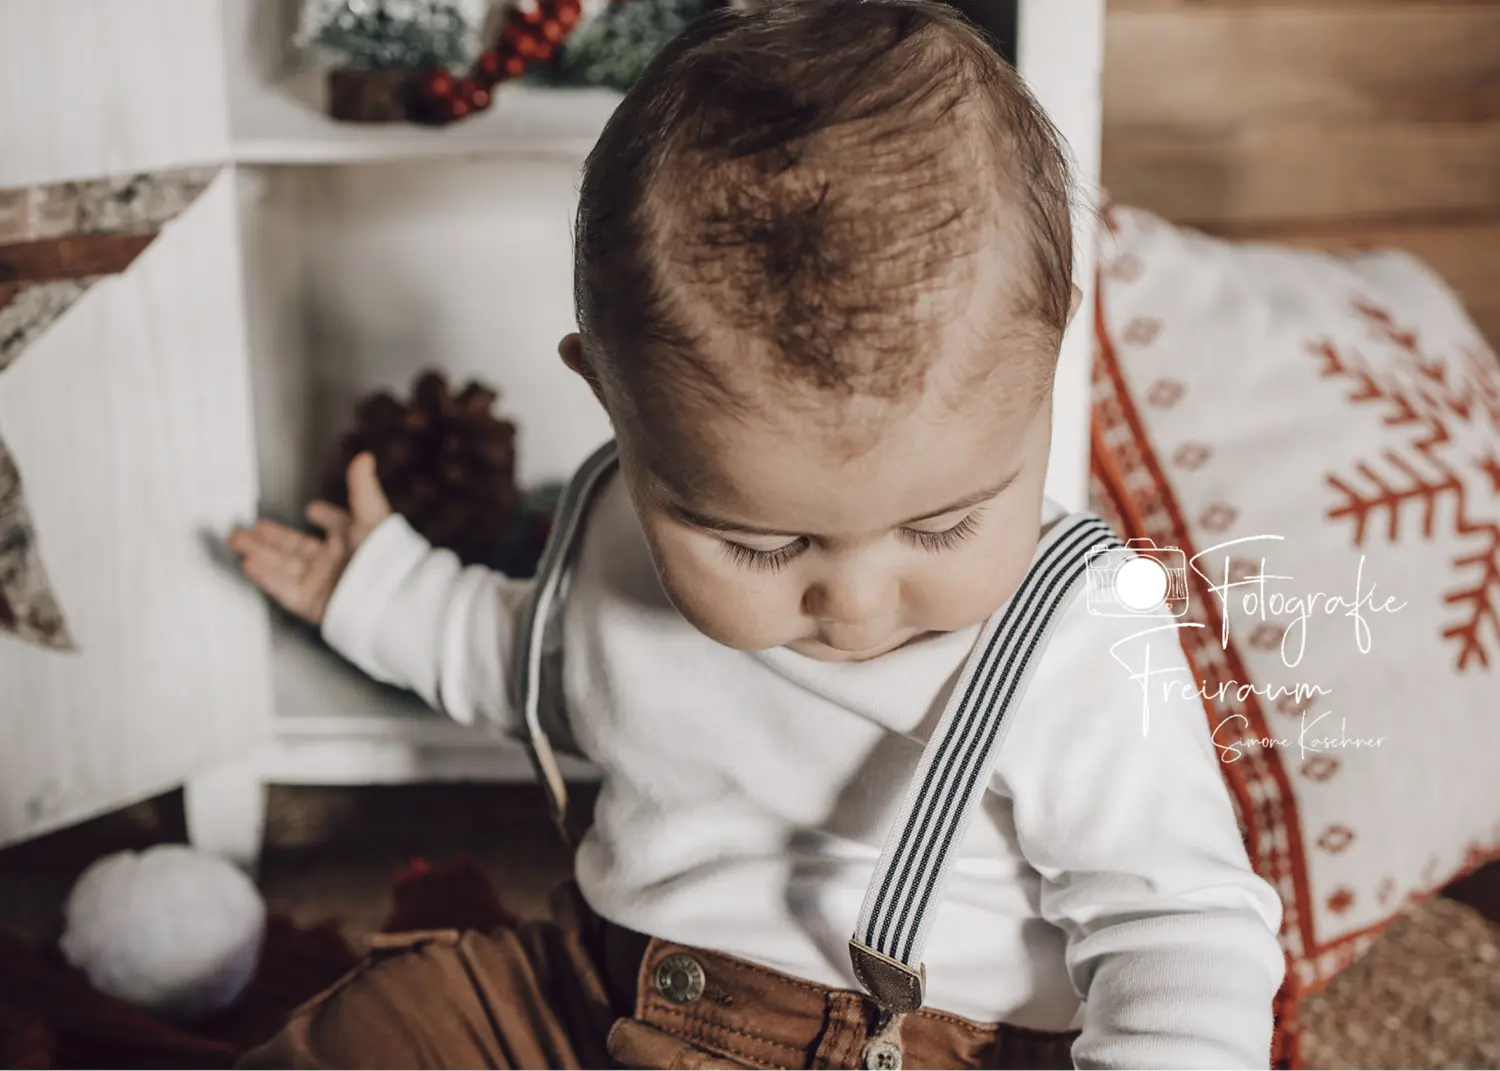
(785, 540)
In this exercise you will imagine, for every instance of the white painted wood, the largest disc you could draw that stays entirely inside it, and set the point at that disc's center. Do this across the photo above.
(94, 87)
(130, 422)
(278, 112)
(225, 807)
(1061, 55)
(287, 126)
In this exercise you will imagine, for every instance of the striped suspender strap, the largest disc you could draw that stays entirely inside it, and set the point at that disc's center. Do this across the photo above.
(956, 764)
(526, 672)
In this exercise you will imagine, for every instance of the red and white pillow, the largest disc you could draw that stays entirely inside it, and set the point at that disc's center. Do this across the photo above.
(1350, 407)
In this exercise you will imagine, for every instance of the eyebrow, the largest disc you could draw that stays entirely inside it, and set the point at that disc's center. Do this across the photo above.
(719, 524)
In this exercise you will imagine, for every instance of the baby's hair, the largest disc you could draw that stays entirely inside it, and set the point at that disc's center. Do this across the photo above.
(813, 178)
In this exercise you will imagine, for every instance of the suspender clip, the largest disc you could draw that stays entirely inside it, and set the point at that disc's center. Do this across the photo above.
(896, 987)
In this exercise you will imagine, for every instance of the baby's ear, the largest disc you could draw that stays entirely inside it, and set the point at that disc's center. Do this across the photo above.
(1073, 302)
(570, 349)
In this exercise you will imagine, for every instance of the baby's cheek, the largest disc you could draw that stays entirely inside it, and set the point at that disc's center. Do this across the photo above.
(957, 595)
(728, 604)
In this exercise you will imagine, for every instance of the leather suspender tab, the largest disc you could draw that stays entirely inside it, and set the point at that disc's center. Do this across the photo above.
(895, 986)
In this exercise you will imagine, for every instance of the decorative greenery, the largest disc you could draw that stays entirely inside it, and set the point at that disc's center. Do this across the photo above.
(613, 48)
(394, 34)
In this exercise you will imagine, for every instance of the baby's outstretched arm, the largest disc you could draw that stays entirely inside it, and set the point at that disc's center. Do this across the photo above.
(1171, 936)
(404, 612)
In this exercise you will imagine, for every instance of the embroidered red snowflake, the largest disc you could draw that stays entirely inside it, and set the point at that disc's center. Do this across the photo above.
(1423, 397)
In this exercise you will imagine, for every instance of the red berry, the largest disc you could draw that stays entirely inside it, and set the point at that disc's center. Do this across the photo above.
(552, 31)
(515, 66)
(476, 95)
(458, 108)
(528, 46)
(489, 65)
(437, 83)
(534, 16)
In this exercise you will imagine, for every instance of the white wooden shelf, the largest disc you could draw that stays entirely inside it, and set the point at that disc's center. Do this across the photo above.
(335, 725)
(286, 124)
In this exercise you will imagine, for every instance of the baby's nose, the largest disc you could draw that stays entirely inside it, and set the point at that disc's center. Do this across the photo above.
(852, 601)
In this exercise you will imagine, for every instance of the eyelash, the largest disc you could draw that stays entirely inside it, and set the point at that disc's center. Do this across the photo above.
(772, 560)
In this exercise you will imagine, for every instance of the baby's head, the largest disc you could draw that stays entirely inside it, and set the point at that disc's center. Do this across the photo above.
(823, 267)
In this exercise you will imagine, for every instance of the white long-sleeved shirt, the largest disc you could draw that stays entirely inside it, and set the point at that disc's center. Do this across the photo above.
(745, 796)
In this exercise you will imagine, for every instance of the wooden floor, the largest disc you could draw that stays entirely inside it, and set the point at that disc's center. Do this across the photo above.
(1326, 123)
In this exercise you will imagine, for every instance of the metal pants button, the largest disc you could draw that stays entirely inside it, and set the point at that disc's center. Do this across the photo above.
(883, 1056)
(680, 979)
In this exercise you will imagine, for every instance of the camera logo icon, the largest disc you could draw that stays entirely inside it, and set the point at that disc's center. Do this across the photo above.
(1137, 579)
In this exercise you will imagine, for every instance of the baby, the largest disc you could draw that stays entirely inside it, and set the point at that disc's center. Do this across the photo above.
(823, 268)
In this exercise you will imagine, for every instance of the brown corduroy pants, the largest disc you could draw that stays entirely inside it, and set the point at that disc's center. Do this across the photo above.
(576, 992)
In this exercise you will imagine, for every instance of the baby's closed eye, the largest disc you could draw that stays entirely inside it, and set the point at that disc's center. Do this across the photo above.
(773, 556)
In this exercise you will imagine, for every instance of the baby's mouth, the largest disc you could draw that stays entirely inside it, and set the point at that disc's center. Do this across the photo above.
(854, 653)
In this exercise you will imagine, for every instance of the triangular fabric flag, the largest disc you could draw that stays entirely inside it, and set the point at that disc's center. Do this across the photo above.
(56, 242)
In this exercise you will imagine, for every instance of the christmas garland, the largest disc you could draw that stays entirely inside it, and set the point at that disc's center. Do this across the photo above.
(526, 38)
(414, 60)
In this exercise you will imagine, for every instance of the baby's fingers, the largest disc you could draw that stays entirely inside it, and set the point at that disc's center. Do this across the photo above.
(285, 540)
(334, 521)
(280, 575)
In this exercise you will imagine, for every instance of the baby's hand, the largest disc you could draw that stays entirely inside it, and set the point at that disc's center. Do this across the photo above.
(300, 571)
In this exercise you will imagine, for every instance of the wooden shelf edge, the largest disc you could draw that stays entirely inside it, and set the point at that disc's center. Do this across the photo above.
(350, 761)
(273, 152)
(283, 125)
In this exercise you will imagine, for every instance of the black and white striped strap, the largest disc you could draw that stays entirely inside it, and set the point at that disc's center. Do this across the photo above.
(956, 764)
(526, 671)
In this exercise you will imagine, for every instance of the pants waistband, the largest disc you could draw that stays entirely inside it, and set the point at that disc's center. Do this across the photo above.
(686, 998)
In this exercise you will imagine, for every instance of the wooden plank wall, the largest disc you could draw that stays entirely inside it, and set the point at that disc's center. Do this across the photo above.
(1330, 123)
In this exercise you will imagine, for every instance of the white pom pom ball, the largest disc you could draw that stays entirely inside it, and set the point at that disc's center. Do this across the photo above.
(171, 930)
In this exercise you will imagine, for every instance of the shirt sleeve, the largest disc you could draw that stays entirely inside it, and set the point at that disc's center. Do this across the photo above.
(411, 615)
(1120, 806)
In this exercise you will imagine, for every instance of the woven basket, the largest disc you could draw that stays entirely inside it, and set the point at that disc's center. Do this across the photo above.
(1426, 995)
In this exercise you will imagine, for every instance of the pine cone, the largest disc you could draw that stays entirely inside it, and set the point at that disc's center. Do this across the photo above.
(446, 462)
